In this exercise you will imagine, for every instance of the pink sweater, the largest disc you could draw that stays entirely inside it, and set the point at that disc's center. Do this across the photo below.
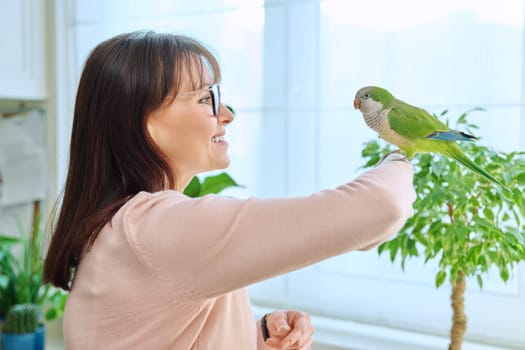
(170, 271)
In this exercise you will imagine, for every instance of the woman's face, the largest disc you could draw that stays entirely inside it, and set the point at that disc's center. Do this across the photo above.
(188, 133)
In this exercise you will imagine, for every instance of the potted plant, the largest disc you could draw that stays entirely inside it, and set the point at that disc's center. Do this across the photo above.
(23, 329)
(462, 220)
(21, 266)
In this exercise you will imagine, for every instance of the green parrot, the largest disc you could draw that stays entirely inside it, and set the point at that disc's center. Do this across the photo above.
(413, 129)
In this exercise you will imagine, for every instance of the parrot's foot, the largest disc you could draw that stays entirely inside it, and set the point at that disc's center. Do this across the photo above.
(396, 155)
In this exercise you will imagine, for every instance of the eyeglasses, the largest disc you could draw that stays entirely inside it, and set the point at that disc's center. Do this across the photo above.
(215, 95)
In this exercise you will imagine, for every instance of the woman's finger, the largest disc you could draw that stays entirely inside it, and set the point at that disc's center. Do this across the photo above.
(301, 329)
(308, 345)
(304, 342)
(277, 323)
(306, 339)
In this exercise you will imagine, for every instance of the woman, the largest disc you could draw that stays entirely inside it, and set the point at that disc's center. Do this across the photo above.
(149, 268)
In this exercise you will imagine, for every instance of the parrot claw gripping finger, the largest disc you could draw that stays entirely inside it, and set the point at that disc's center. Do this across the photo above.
(396, 155)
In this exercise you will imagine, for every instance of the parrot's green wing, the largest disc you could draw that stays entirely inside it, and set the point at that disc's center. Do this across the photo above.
(412, 122)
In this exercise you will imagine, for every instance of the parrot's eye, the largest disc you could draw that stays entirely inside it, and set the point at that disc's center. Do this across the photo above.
(366, 96)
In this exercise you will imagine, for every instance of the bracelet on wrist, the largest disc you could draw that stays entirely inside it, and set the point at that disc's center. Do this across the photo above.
(264, 327)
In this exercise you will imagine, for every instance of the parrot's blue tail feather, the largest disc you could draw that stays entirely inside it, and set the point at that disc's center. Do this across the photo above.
(451, 135)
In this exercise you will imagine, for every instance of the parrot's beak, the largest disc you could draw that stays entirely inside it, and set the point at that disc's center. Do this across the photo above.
(357, 103)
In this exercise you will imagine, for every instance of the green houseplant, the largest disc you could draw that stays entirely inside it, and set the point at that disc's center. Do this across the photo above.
(22, 318)
(23, 329)
(461, 220)
(21, 268)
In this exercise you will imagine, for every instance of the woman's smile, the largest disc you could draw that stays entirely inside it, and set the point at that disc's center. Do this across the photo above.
(219, 139)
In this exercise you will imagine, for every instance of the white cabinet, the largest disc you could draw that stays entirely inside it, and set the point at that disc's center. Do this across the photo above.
(22, 50)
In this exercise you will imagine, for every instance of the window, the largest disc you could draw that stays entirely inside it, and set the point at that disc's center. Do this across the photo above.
(291, 69)
(437, 55)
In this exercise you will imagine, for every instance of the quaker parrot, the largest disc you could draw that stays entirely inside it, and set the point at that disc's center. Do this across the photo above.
(413, 129)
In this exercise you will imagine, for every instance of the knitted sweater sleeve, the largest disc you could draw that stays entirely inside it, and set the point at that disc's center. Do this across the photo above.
(208, 246)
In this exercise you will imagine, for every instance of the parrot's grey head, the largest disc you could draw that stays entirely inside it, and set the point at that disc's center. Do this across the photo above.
(372, 99)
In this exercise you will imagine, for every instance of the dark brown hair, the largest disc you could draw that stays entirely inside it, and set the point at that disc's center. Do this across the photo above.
(112, 156)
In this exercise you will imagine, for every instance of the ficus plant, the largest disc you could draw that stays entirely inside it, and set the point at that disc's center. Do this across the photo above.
(466, 223)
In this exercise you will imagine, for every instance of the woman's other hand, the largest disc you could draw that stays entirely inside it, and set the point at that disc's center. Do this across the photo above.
(289, 330)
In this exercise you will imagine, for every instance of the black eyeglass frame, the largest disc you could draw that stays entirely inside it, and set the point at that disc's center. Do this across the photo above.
(215, 94)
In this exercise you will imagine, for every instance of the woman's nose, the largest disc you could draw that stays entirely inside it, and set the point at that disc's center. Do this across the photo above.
(226, 114)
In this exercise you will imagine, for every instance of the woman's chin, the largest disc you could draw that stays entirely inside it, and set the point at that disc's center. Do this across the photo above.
(220, 164)
(225, 164)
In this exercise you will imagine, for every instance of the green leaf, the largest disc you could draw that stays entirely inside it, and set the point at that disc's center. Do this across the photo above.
(230, 108)
(438, 168)
(435, 226)
(521, 178)
(373, 161)
(438, 246)
(482, 261)
(382, 247)
(462, 119)
(394, 246)
(9, 240)
(371, 149)
(194, 187)
(454, 273)
(440, 278)
(51, 314)
(217, 183)
(504, 273)
(411, 247)
(488, 214)
(493, 256)
(474, 253)
(480, 281)
(461, 233)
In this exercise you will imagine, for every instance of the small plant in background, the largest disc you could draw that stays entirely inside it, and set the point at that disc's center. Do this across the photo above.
(22, 318)
(468, 224)
(21, 268)
(23, 328)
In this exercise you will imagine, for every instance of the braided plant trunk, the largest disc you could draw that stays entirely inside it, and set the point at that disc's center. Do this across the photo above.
(459, 319)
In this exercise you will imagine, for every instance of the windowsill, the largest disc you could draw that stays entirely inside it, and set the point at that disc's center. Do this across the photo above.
(344, 334)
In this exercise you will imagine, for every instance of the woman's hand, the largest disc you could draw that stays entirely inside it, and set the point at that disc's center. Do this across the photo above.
(289, 330)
